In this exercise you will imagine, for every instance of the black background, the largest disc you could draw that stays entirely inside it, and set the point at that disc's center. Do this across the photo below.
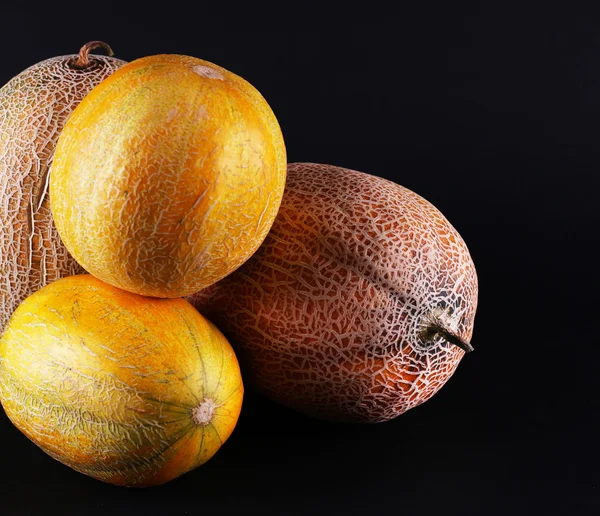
(491, 113)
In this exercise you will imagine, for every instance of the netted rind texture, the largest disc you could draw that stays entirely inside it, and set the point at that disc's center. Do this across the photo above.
(168, 176)
(34, 106)
(328, 317)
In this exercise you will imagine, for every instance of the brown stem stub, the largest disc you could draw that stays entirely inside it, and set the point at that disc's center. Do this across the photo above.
(454, 338)
(435, 325)
(83, 61)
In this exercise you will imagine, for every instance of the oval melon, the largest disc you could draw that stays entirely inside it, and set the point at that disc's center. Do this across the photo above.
(130, 390)
(358, 306)
(34, 106)
(168, 176)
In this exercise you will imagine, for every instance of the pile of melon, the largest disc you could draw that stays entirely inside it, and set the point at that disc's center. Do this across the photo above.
(149, 217)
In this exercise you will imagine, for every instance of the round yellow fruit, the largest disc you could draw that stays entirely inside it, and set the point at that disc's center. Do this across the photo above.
(168, 176)
(130, 390)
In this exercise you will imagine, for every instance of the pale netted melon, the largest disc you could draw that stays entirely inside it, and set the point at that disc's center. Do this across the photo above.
(34, 106)
(358, 306)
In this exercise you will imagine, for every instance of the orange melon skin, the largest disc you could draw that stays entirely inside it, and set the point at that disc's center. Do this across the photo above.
(129, 390)
(34, 106)
(168, 176)
(328, 316)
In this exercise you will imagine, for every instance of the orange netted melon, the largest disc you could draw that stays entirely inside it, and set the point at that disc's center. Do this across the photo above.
(358, 306)
(33, 108)
(130, 390)
(168, 176)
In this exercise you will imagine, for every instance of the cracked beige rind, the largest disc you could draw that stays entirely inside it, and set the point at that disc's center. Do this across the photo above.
(34, 106)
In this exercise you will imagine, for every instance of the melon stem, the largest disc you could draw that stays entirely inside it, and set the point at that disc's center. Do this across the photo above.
(452, 337)
(83, 60)
(435, 324)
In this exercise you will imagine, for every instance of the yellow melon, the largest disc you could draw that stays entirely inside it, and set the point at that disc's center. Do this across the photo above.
(130, 390)
(168, 176)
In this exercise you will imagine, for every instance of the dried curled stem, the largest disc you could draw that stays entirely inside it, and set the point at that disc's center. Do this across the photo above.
(83, 61)
(436, 325)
